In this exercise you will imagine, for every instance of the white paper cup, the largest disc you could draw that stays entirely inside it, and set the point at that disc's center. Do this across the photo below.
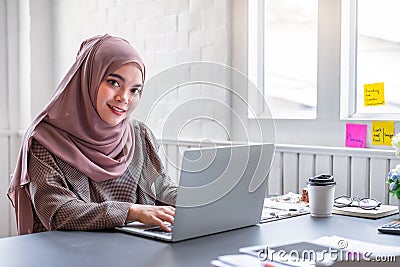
(321, 193)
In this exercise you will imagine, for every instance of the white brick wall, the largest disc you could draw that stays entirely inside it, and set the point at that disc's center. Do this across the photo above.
(188, 21)
(166, 33)
(156, 25)
(199, 5)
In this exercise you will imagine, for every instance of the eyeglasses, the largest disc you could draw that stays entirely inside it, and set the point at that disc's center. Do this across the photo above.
(364, 203)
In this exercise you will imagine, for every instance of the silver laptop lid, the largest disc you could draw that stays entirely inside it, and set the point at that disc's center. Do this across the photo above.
(221, 188)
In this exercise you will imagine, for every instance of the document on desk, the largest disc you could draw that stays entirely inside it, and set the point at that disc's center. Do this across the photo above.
(284, 206)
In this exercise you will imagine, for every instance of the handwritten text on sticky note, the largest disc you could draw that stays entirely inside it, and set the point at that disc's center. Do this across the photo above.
(382, 132)
(374, 94)
(356, 135)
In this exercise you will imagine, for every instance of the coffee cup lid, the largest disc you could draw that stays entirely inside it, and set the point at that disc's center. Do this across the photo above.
(322, 179)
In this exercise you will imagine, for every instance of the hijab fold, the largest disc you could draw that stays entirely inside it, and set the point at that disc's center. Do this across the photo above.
(70, 127)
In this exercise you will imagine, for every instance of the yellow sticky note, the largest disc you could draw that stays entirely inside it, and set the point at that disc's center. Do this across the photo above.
(374, 94)
(382, 132)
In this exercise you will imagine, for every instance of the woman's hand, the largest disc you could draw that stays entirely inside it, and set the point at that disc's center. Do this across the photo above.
(152, 215)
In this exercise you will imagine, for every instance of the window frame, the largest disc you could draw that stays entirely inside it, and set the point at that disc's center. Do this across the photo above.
(347, 64)
(348, 68)
(256, 67)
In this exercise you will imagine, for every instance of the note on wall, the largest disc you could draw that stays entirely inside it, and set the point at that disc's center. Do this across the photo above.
(356, 135)
(382, 132)
(374, 94)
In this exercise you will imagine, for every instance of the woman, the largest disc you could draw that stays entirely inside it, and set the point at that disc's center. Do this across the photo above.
(83, 165)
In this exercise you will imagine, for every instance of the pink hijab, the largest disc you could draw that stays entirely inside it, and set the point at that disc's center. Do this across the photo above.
(70, 127)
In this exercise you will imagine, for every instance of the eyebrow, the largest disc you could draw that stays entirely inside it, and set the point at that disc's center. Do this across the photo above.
(123, 79)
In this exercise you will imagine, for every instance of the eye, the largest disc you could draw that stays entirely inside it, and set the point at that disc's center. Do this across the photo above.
(113, 82)
(136, 91)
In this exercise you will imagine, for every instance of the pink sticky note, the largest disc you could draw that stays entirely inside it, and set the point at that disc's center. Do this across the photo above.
(356, 135)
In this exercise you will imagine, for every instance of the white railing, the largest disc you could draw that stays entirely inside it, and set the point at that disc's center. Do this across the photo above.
(358, 172)
(9, 146)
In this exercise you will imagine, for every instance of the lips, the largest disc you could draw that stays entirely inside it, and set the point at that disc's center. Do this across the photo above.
(116, 110)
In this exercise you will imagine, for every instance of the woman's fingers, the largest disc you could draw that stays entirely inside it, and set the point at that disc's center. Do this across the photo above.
(168, 210)
(162, 225)
(154, 215)
(166, 214)
(167, 218)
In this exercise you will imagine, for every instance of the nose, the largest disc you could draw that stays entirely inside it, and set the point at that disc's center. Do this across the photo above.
(122, 96)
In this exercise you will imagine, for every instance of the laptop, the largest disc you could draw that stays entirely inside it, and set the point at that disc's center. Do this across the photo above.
(220, 189)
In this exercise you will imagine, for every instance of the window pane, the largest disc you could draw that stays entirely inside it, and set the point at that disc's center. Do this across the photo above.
(291, 57)
(378, 53)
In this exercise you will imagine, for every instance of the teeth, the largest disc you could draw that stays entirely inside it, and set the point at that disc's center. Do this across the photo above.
(117, 109)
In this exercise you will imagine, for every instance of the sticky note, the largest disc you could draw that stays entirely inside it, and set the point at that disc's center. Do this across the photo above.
(382, 132)
(356, 135)
(374, 94)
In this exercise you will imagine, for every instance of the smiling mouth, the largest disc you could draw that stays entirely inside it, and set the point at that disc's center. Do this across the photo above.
(116, 109)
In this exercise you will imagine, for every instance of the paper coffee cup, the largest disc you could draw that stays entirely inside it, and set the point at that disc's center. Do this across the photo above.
(321, 193)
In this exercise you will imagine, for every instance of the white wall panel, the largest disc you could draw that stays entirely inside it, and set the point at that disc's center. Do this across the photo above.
(15, 143)
(172, 161)
(359, 177)
(378, 174)
(306, 169)
(275, 182)
(341, 173)
(359, 173)
(162, 153)
(290, 172)
(4, 174)
(323, 164)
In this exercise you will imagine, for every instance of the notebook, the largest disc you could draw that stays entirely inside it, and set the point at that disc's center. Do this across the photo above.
(220, 189)
(379, 212)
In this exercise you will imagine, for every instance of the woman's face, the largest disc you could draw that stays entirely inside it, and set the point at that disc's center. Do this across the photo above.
(119, 94)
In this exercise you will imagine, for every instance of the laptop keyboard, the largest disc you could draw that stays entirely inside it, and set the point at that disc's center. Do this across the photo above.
(159, 230)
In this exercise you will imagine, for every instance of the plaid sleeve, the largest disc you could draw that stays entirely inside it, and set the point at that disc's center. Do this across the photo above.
(58, 207)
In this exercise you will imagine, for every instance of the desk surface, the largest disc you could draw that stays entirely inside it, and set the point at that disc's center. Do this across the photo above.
(61, 248)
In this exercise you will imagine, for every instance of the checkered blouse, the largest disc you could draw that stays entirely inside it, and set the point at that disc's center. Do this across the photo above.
(65, 198)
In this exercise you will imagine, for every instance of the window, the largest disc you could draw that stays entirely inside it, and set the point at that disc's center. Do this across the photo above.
(283, 55)
(370, 55)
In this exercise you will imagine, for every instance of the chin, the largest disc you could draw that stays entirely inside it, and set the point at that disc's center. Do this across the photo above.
(113, 120)
(116, 123)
